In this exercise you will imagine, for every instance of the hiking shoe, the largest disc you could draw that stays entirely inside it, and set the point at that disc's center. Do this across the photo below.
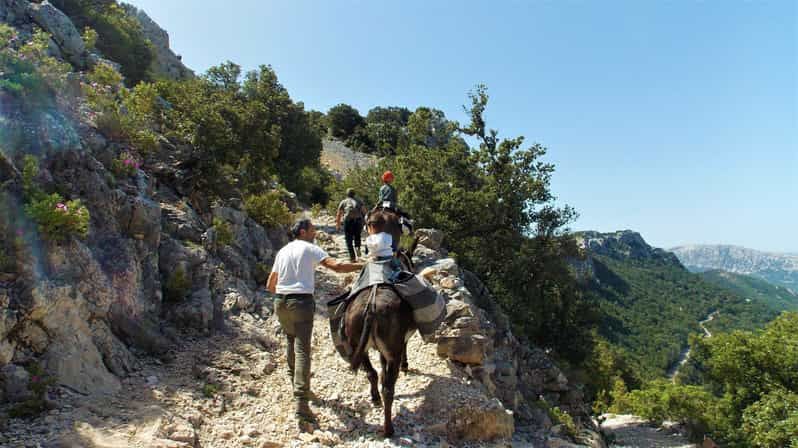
(312, 397)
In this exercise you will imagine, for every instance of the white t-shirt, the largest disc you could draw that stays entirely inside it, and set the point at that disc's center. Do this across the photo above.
(295, 265)
(379, 244)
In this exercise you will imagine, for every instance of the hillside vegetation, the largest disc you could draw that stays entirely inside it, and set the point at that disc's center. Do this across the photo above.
(753, 288)
(649, 305)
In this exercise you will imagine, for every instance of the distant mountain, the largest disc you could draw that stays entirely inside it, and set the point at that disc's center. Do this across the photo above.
(777, 268)
(754, 288)
(649, 302)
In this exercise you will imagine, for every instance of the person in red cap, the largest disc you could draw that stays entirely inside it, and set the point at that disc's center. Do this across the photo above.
(388, 192)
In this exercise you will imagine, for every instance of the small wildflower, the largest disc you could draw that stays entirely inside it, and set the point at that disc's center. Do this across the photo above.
(35, 379)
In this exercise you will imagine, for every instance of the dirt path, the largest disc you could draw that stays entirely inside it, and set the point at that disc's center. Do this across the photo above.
(232, 390)
(630, 431)
(685, 356)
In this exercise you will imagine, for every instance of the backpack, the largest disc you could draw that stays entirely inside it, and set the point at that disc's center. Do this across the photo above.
(351, 209)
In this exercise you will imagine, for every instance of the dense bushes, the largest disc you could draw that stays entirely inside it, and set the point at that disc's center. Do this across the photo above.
(120, 37)
(744, 394)
(268, 209)
(244, 133)
(120, 113)
(27, 73)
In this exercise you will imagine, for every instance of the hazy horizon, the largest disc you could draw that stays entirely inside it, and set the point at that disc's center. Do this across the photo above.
(674, 119)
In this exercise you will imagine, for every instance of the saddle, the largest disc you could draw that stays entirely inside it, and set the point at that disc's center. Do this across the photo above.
(429, 307)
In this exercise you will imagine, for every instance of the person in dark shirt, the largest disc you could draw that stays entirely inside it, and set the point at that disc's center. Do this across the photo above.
(352, 212)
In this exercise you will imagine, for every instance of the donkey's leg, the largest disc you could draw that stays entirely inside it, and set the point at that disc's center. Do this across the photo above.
(388, 384)
(372, 376)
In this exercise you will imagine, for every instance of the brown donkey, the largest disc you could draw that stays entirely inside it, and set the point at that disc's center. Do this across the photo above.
(378, 318)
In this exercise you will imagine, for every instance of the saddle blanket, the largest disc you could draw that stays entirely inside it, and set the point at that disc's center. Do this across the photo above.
(429, 307)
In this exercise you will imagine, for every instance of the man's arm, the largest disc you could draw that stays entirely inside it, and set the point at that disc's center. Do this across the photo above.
(340, 266)
(271, 284)
(338, 216)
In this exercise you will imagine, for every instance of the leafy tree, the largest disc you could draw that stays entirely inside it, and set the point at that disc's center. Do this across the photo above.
(244, 133)
(386, 129)
(494, 203)
(344, 120)
(747, 393)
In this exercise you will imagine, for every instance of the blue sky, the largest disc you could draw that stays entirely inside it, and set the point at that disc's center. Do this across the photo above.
(677, 119)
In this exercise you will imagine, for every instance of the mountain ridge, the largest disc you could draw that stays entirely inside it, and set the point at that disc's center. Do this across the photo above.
(777, 268)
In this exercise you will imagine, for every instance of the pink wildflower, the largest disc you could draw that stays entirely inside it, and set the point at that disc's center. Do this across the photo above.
(34, 379)
(20, 233)
(61, 207)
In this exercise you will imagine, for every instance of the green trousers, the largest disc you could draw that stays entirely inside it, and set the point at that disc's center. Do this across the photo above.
(295, 313)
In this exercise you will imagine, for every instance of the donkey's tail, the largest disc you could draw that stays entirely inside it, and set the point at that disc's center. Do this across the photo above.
(365, 333)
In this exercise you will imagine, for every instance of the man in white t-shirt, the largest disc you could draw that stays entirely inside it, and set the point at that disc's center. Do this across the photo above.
(292, 279)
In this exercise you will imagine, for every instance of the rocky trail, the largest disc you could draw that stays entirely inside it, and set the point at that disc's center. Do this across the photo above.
(630, 431)
(232, 389)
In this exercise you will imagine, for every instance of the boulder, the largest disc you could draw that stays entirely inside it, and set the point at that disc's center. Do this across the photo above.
(145, 220)
(34, 337)
(430, 238)
(71, 356)
(480, 423)
(166, 63)
(15, 383)
(182, 222)
(63, 31)
(468, 349)
(7, 350)
(196, 312)
(14, 11)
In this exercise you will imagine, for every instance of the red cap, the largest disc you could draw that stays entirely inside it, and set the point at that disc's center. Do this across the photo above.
(387, 176)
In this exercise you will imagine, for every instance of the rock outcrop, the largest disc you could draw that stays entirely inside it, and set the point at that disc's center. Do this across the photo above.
(166, 64)
(477, 335)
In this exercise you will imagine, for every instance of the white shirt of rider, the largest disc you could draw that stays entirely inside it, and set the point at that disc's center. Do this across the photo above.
(295, 265)
(379, 244)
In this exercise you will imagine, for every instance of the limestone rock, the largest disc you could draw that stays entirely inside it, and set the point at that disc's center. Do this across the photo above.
(466, 349)
(166, 63)
(486, 423)
(7, 350)
(431, 238)
(15, 383)
(71, 357)
(63, 31)
(14, 11)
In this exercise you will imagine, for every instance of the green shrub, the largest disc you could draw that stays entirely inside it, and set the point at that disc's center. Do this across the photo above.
(177, 286)
(268, 209)
(89, 38)
(27, 72)
(773, 420)
(315, 210)
(120, 113)
(563, 418)
(58, 220)
(209, 390)
(224, 235)
(38, 383)
(125, 165)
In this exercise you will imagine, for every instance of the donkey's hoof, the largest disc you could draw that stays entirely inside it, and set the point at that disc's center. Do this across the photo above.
(404, 368)
(387, 431)
(377, 402)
